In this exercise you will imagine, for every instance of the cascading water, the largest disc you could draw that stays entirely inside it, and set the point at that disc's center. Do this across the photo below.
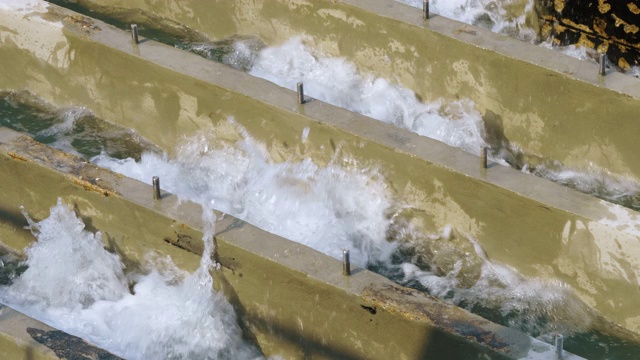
(74, 284)
(344, 205)
(337, 81)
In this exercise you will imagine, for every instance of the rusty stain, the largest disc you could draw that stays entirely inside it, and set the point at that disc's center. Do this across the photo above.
(16, 156)
(465, 29)
(84, 23)
(93, 187)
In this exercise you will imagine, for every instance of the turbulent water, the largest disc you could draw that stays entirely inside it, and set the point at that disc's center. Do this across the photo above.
(74, 284)
(342, 206)
(508, 17)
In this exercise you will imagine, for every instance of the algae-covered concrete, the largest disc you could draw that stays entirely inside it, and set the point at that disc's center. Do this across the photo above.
(532, 225)
(292, 300)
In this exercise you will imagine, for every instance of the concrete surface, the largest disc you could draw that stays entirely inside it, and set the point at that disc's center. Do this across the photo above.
(538, 228)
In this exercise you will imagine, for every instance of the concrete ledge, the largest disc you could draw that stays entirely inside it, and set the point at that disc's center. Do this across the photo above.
(294, 300)
(539, 228)
(547, 104)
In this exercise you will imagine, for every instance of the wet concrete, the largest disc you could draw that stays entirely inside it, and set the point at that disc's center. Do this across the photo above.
(293, 300)
(539, 228)
(552, 106)
(22, 337)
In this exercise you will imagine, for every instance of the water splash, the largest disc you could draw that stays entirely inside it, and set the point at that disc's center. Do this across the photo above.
(509, 17)
(74, 284)
(327, 208)
(336, 207)
(338, 82)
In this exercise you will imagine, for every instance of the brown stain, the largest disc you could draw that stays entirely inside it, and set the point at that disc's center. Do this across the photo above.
(633, 8)
(466, 30)
(558, 5)
(16, 156)
(93, 187)
(82, 23)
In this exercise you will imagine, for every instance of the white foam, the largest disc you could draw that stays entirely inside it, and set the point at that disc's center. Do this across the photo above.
(337, 81)
(327, 208)
(24, 6)
(493, 15)
(536, 306)
(75, 285)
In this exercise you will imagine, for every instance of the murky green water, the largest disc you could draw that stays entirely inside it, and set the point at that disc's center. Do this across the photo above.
(75, 130)
(170, 32)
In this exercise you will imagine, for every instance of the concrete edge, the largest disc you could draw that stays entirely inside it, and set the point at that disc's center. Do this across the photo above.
(410, 305)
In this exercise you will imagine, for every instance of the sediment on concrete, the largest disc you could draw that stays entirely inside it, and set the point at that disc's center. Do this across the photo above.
(539, 228)
(293, 300)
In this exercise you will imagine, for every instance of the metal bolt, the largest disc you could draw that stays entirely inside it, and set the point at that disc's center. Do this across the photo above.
(346, 264)
(425, 9)
(559, 346)
(603, 65)
(156, 188)
(300, 93)
(134, 33)
(483, 157)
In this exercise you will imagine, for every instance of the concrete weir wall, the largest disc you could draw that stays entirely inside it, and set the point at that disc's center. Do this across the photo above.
(546, 104)
(284, 293)
(536, 227)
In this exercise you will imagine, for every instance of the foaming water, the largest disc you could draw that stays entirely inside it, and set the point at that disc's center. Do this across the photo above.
(597, 182)
(338, 82)
(348, 206)
(327, 208)
(74, 284)
(509, 17)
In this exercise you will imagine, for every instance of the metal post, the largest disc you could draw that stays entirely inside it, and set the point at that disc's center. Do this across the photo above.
(559, 346)
(300, 93)
(483, 157)
(603, 64)
(346, 264)
(425, 9)
(156, 187)
(134, 33)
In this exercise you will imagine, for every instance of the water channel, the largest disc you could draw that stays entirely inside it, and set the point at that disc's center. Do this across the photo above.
(339, 205)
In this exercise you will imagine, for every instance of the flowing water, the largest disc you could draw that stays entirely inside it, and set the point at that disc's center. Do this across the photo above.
(515, 18)
(339, 205)
(345, 202)
(338, 82)
(72, 283)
